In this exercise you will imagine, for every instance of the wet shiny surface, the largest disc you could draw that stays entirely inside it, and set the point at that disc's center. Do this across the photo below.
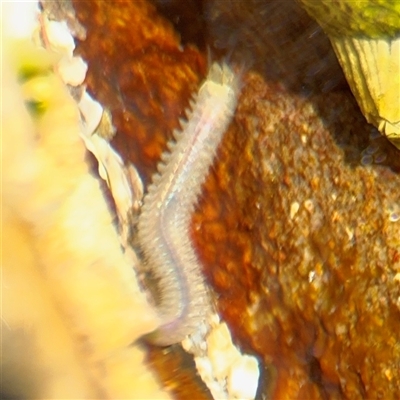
(297, 225)
(303, 251)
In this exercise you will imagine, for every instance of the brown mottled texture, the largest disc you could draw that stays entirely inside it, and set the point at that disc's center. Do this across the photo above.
(138, 70)
(175, 368)
(316, 293)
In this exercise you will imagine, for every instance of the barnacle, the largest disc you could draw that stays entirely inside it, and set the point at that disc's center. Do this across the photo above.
(372, 68)
(365, 37)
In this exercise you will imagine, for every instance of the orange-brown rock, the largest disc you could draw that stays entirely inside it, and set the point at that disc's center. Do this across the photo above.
(300, 242)
(298, 223)
(138, 70)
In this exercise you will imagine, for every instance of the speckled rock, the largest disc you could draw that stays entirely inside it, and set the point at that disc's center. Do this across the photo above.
(298, 223)
(300, 241)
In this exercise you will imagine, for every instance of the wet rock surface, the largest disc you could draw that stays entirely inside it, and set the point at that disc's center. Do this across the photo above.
(303, 250)
(298, 223)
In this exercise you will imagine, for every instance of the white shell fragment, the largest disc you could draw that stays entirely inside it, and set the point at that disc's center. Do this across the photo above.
(124, 181)
(221, 351)
(72, 71)
(59, 36)
(243, 378)
(92, 112)
(227, 372)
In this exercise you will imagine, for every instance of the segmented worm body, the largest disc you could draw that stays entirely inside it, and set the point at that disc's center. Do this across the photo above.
(163, 226)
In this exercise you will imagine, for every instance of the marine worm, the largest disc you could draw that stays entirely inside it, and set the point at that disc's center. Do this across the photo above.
(163, 225)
